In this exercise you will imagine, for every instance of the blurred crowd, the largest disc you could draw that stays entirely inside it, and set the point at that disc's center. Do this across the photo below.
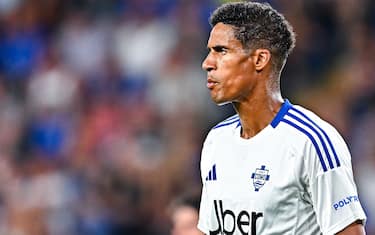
(103, 105)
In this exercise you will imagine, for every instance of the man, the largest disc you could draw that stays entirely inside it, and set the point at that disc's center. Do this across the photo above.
(184, 215)
(275, 167)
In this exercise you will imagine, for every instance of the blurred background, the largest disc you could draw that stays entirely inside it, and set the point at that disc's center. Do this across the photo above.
(104, 108)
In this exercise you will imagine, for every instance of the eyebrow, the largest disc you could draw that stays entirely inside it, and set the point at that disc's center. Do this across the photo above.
(218, 48)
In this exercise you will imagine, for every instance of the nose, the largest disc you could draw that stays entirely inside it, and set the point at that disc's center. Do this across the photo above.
(208, 63)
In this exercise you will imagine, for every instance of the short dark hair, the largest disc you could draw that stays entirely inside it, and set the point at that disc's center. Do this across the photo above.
(189, 199)
(258, 25)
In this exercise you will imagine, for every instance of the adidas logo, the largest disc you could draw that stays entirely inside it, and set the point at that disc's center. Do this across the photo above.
(212, 174)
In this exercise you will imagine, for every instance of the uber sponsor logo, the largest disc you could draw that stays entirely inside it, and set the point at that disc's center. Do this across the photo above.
(228, 222)
(345, 201)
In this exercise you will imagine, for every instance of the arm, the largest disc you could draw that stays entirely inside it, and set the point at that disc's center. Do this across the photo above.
(355, 228)
(333, 191)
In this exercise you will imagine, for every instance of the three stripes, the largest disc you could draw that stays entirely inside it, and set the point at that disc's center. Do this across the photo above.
(212, 174)
(228, 121)
(319, 138)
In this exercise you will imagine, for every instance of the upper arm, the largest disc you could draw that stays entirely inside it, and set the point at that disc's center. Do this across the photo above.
(333, 190)
(355, 228)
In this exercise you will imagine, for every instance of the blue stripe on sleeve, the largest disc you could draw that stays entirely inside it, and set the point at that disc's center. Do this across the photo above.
(231, 118)
(312, 140)
(324, 133)
(307, 125)
(226, 123)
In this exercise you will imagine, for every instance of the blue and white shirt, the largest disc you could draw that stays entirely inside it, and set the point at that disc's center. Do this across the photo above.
(293, 177)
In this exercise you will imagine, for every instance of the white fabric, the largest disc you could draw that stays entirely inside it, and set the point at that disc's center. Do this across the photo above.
(296, 194)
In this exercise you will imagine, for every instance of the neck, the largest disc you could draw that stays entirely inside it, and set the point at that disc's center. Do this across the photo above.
(258, 112)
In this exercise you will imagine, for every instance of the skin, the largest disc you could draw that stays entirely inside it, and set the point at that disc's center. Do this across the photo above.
(246, 79)
(243, 78)
(185, 220)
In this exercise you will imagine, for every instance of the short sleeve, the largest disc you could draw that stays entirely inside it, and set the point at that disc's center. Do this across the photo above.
(203, 212)
(333, 190)
(204, 204)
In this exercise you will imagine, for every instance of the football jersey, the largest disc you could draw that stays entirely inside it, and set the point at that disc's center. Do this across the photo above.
(293, 177)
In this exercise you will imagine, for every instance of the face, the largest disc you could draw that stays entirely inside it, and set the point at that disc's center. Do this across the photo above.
(185, 221)
(230, 68)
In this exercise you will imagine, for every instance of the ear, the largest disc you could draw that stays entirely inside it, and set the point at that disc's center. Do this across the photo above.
(262, 57)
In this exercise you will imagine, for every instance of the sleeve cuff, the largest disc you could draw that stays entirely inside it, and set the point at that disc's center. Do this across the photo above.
(344, 223)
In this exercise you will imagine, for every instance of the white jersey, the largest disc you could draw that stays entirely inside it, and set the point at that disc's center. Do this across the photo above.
(294, 177)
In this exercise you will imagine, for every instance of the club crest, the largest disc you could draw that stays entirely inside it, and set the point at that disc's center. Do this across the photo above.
(260, 177)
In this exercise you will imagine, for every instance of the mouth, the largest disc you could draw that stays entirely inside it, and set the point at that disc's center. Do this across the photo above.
(211, 83)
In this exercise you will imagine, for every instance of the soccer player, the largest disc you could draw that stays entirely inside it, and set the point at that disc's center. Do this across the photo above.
(274, 167)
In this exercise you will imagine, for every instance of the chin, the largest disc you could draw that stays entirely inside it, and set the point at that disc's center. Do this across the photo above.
(220, 102)
(223, 103)
(220, 99)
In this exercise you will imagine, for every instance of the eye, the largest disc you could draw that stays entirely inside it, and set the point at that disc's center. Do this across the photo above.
(220, 49)
(223, 51)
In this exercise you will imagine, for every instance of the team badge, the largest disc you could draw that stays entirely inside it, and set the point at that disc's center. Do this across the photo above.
(260, 177)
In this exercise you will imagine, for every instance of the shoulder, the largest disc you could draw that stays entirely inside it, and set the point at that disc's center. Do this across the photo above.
(300, 120)
(224, 126)
(231, 121)
(320, 137)
(221, 130)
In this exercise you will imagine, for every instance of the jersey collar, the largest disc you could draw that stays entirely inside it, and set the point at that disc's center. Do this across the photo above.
(283, 110)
